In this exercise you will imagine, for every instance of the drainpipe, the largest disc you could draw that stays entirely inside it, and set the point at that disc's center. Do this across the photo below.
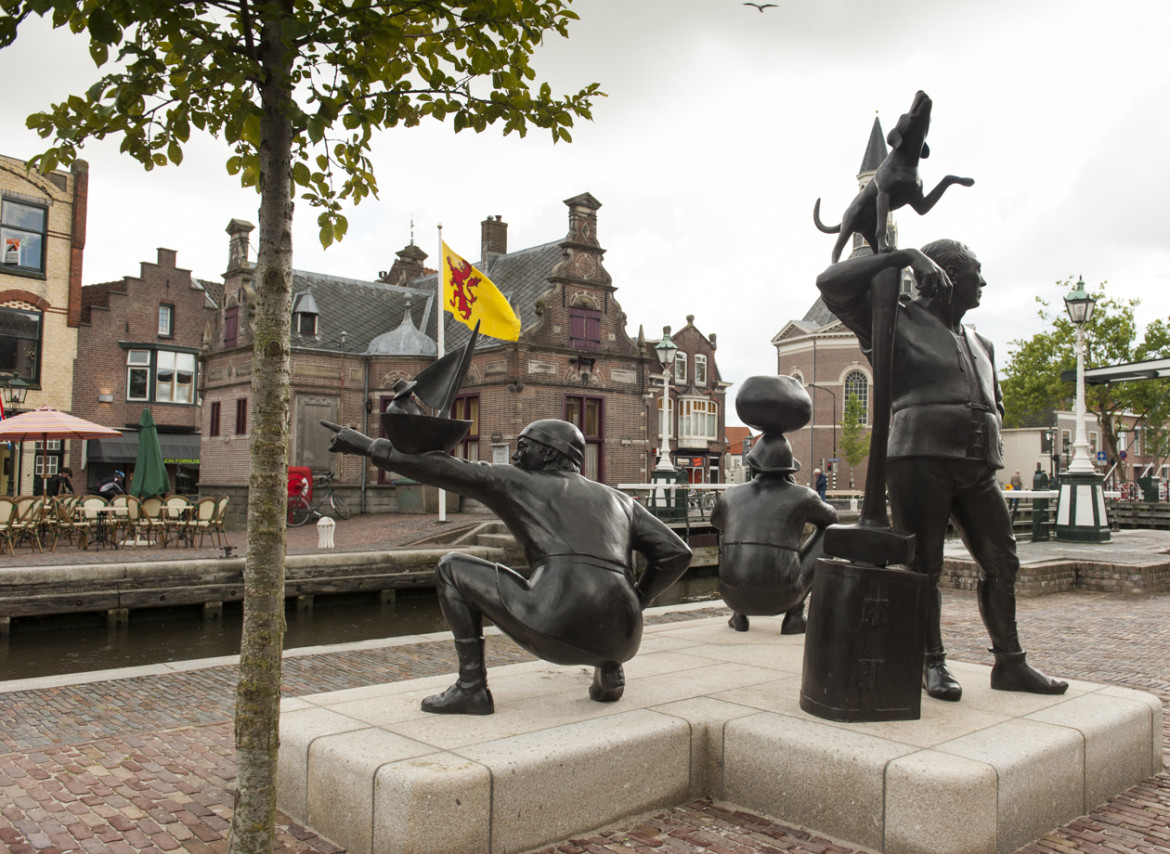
(365, 427)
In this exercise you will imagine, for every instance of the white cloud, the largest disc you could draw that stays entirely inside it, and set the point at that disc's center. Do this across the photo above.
(722, 127)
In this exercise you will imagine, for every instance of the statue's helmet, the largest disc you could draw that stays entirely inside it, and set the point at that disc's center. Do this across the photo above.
(560, 436)
(773, 453)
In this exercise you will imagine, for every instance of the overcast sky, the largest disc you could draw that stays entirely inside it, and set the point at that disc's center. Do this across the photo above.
(723, 125)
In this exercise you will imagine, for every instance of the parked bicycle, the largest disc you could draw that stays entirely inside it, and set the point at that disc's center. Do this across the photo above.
(300, 509)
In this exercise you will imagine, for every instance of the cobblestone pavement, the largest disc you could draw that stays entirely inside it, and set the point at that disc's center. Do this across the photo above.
(146, 763)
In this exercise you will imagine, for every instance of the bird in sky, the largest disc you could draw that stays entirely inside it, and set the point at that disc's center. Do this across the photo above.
(762, 6)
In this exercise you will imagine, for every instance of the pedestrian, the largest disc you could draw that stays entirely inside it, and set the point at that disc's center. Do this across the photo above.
(60, 483)
(1016, 483)
(822, 483)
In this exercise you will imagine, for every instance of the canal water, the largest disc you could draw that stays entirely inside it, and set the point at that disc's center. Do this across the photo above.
(81, 643)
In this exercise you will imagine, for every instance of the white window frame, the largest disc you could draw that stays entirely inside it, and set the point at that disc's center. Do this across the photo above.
(138, 361)
(700, 370)
(864, 400)
(680, 367)
(166, 320)
(170, 360)
(698, 419)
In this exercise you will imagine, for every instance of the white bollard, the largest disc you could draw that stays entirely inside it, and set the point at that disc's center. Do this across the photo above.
(852, 503)
(325, 528)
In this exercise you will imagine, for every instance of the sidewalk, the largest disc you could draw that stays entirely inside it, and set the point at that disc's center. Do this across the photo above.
(145, 763)
(362, 532)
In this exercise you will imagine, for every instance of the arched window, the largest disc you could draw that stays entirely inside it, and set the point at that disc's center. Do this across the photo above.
(857, 385)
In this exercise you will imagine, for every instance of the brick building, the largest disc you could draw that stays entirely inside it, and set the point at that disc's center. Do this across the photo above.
(697, 408)
(42, 237)
(138, 347)
(352, 340)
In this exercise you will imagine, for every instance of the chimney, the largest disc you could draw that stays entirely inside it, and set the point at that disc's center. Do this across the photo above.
(238, 231)
(493, 237)
(408, 266)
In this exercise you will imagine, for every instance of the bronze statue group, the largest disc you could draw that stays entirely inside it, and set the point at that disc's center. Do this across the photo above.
(581, 601)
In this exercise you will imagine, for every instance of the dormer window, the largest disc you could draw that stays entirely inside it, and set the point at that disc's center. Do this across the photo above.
(306, 324)
(305, 314)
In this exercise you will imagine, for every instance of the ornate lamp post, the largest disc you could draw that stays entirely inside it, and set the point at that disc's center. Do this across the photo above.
(666, 350)
(1080, 508)
(15, 392)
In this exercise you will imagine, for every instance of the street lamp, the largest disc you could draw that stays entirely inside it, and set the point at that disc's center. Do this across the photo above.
(666, 350)
(1080, 508)
(1080, 311)
(834, 396)
(15, 391)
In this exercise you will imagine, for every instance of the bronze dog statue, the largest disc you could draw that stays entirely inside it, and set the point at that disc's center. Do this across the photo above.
(896, 183)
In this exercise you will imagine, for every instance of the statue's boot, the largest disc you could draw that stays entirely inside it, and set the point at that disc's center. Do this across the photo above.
(738, 621)
(609, 681)
(469, 695)
(1011, 672)
(937, 678)
(794, 622)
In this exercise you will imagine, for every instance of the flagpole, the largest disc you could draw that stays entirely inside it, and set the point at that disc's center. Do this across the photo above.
(439, 324)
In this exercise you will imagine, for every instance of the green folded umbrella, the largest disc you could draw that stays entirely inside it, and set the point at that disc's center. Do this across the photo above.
(150, 473)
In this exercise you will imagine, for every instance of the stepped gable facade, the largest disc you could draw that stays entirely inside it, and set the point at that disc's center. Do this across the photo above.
(139, 343)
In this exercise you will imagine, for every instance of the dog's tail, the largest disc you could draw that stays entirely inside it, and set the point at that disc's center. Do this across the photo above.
(817, 219)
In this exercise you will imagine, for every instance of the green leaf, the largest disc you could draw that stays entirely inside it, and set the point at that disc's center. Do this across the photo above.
(103, 28)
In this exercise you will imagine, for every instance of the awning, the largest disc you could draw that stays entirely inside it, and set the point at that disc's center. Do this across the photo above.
(177, 448)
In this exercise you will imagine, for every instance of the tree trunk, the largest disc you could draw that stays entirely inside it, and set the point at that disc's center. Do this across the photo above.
(257, 722)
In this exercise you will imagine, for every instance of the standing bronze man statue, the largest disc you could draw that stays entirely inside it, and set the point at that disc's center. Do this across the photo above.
(944, 443)
(581, 603)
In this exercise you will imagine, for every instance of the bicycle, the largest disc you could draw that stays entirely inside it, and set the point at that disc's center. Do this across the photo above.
(300, 509)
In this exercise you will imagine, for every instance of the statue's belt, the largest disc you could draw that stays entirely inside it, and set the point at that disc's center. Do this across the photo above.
(769, 545)
(578, 560)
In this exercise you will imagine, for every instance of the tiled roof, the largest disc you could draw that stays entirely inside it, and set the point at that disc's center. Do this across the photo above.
(365, 310)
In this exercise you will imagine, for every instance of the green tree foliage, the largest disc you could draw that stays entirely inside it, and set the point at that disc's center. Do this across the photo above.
(854, 436)
(1032, 386)
(298, 89)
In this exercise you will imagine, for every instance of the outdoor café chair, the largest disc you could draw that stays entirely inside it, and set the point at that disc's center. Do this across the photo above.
(67, 525)
(177, 511)
(138, 523)
(27, 525)
(220, 520)
(203, 521)
(7, 516)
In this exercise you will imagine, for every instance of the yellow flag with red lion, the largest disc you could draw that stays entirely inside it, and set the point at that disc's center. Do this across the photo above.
(470, 296)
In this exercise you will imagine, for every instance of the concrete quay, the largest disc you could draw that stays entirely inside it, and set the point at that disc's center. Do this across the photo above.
(708, 712)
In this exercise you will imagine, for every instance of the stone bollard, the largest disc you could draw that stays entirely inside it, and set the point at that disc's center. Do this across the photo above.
(325, 528)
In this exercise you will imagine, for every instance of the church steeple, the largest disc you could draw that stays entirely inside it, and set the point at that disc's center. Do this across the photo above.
(875, 152)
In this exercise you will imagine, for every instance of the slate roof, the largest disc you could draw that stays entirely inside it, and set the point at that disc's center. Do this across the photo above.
(362, 310)
(875, 149)
(521, 276)
(365, 310)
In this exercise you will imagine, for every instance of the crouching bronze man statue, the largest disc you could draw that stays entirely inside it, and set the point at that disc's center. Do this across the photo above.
(581, 603)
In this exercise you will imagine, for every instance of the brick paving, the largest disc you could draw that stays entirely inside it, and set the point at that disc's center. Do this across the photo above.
(146, 763)
(360, 533)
